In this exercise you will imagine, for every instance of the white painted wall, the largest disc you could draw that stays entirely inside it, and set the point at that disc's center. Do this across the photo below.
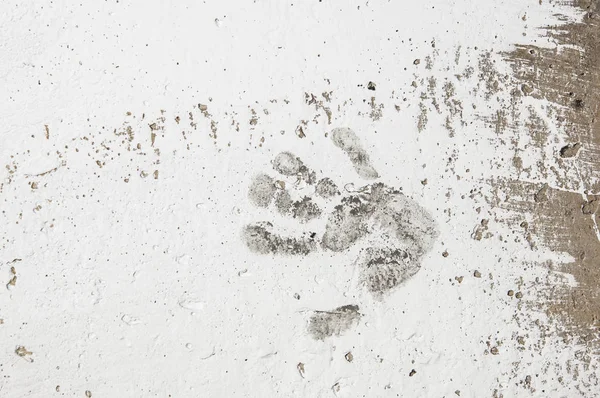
(145, 288)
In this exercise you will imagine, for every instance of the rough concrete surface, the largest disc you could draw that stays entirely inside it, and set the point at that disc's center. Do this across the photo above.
(300, 199)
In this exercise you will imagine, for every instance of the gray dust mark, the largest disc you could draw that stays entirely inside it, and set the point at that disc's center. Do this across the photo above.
(325, 324)
(382, 269)
(409, 231)
(396, 232)
(396, 229)
(284, 202)
(326, 188)
(346, 224)
(406, 220)
(260, 239)
(412, 232)
(303, 210)
(347, 140)
(288, 164)
(261, 191)
(264, 189)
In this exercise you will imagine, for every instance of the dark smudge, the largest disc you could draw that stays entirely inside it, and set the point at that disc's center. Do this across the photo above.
(346, 224)
(287, 163)
(260, 239)
(347, 140)
(412, 231)
(261, 191)
(399, 231)
(383, 269)
(412, 226)
(326, 188)
(409, 229)
(284, 202)
(305, 210)
(325, 324)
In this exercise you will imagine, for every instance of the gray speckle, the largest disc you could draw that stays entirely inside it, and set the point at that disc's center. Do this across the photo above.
(325, 324)
(347, 140)
(305, 210)
(382, 269)
(261, 191)
(410, 228)
(326, 188)
(346, 224)
(310, 177)
(287, 164)
(260, 239)
(284, 202)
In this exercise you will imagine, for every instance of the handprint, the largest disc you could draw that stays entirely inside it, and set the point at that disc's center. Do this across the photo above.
(395, 231)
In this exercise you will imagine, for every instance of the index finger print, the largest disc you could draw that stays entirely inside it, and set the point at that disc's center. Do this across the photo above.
(347, 140)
